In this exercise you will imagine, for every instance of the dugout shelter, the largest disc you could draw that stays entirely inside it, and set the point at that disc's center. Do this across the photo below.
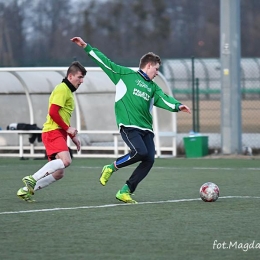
(24, 94)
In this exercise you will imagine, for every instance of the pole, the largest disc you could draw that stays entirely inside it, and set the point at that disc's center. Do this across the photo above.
(197, 107)
(193, 95)
(230, 77)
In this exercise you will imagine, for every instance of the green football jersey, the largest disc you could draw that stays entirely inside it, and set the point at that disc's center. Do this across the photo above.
(135, 94)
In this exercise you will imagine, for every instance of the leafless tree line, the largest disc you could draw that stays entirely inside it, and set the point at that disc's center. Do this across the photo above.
(37, 33)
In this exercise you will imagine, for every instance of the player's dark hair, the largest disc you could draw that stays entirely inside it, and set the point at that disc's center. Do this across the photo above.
(149, 57)
(75, 67)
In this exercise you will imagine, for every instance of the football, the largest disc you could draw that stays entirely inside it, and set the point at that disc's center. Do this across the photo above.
(209, 192)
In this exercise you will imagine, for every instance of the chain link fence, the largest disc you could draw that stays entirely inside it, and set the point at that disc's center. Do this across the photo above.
(178, 73)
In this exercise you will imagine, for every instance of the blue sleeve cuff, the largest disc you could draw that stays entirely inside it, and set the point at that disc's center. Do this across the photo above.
(179, 106)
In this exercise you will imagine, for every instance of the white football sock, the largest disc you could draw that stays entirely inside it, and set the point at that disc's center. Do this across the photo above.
(44, 182)
(49, 168)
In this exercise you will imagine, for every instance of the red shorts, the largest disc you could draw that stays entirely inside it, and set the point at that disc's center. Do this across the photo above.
(55, 142)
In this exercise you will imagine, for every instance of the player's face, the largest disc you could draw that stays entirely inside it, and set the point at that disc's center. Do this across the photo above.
(76, 79)
(153, 70)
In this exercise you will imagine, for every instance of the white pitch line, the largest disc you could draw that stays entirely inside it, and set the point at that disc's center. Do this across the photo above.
(115, 205)
(184, 168)
(171, 168)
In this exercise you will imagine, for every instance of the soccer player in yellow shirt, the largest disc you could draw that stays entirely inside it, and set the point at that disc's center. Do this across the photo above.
(54, 134)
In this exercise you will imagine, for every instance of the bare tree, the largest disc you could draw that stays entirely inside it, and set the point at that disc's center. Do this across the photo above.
(173, 29)
(37, 33)
(11, 34)
(250, 28)
(52, 23)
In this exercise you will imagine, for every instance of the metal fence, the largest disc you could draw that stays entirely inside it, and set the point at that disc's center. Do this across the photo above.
(179, 76)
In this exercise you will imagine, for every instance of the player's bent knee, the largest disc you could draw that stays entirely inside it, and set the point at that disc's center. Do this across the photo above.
(142, 153)
(67, 162)
(58, 175)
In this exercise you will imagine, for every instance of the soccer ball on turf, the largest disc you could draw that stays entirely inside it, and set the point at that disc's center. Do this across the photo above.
(209, 192)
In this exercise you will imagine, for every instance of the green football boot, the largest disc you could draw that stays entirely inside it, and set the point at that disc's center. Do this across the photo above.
(30, 183)
(25, 195)
(106, 174)
(125, 197)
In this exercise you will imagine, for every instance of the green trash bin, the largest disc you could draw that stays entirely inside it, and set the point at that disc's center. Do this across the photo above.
(196, 146)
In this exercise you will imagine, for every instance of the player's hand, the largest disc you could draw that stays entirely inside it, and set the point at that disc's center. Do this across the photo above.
(184, 108)
(72, 131)
(76, 141)
(79, 41)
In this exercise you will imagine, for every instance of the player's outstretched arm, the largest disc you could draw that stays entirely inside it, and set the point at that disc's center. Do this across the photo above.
(79, 41)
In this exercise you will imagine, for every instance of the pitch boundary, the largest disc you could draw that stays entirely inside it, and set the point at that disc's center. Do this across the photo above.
(169, 168)
(115, 205)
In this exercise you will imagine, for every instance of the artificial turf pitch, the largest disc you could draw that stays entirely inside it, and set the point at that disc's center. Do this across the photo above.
(77, 218)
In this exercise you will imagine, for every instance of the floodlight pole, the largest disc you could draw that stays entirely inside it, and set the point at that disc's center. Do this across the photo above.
(230, 77)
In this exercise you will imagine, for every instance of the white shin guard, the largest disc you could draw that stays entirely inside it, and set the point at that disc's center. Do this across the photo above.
(44, 182)
(48, 169)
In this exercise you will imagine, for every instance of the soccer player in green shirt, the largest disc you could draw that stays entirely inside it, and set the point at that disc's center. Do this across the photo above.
(136, 94)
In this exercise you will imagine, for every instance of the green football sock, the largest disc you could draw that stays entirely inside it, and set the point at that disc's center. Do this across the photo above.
(125, 189)
(112, 166)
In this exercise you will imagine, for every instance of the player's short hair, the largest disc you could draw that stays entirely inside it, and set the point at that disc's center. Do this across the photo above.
(149, 57)
(75, 67)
